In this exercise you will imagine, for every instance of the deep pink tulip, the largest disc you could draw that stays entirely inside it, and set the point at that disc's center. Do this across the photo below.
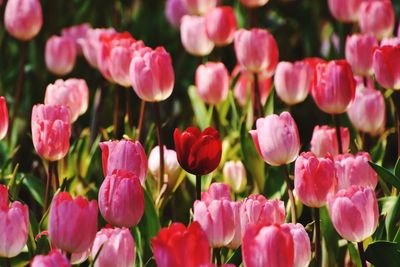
(277, 139)
(235, 175)
(359, 51)
(324, 140)
(194, 36)
(293, 81)
(212, 82)
(72, 222)
(60, 54)
(385, 64)
(54, 259)
(121, 199)
(273, 245)
(152, 75)
(256, 50)
(199, 7)
(23, 18)
(237, 238)
(3, 117)
(314, 179)
(345, 10)
(77, 32)
(14, 225)
(50, 123)
(221, 25)
(124, 155)
(253, 3)
(376, 17)
(302, 246)
(354, 212)
(171, 165)
(334, 86)
(174, 11)
(117, 248)
(179, 246)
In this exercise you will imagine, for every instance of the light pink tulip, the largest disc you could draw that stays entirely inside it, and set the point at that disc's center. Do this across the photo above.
(376, 17)
(253, 3)
(302, 246)
(199, 7)
(359, 51)
(385, 64)
(237, 238)
(3, 117)
(54, 259)
(324, 140)
(221, 25)
(194, 36)
(216, 191)
(174, 11)
(77, 32)
(60, 54)
(171, 166)
(345, 10)
(392, 41)
(212, 82)
(235, 175)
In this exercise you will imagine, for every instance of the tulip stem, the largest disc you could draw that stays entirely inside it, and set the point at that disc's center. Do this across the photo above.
(362, 254)
(119, 112)
(48, 184)
(7, 262)
(162, 179)
(290, 194)
(396, 102)
(198, 187)
(141, 119)
(128, 108)
(257, 106)
(338, 133)
(318, 250)
(56, 178)
(97, 104)
(217, 256)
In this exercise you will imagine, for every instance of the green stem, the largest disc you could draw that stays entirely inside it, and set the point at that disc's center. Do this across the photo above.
(396, 102)
(318, 250)
(162, 180)
(119, 112)
(257, 106)
(290, 194)
(141, 119)
(217, 256)
(48, 185)
(198, 187)
(362, 254)
(97, 105)
(338, 133)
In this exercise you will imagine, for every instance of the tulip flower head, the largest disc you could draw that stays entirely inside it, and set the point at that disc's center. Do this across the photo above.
(3, 117)
(54, 259)
(384, 60)
(60, 54)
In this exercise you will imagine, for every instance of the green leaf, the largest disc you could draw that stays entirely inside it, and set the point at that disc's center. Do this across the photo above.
(383, 253)
(397, 168)
(236, 257)
(354, 256)
(269, 105)
(35, 187)
(199, 108)
(386, 175)
(391, 219)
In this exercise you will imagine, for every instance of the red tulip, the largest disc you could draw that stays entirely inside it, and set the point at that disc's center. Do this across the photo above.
(194, 36)
(324, 140)
(345, 10)
(3, 117)
(385, 64)
(376, 17)
(60, 54)
(359, 51)
(198, 152)
(221, 25)
(54, 259)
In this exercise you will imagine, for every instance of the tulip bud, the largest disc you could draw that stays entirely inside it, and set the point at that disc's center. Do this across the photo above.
(194, 36)
(174, 11)
(277, 139)
(344, 10)
(3, 117)
(314, 179)
(50, 123)
(256, 50)
(384, 60)
(199, 7)
(114, 247)
(359, 51)
(171, 165)
(212, 82)
(302, 246)
(76, 32)
(235, 175)
(14, 225)
(221, 25)
(293, 81)
(121, 199)
(354, 212)
(54, 259)
(377, 18)
(72, 222)
(253, 3)
(60, 55)
(23, 18)
(324, 140)
(179, 246)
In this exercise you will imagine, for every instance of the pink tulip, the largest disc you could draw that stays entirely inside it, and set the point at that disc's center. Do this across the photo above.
(376, 17)
(273, 245)
(302, 246)
(359, 51)
(117, 248)
(174, 11)
(212, 82)
(152, 75)
(253, 3)
(392, 41)
(354, 212)
(334, 86)
(124, 155)
(216, 191)
(121, 199)
(23, 18)
(72, 222)
(194, 36)
(235, 175)
(76, 32)
(199, 7)
(171, 165)
(54, 259)
(324, 140)
(277, 139)
(3, 117)
(60, 55)
(345, 10)
(256, 50)
(384, 62)
(293, 81)
(314, 179)
(221, 25)
(237, 238)
(50, 123)
(14, 225)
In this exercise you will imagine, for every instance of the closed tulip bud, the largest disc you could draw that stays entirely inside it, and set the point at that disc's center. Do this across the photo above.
(3, 117)
(256, 50)
(237, 238)
(23, 18)
(54, 259)
(212, 82)
(354, 212)
(179, 246)
(60, 55)
(198, 152)
(359, 51)
(199, 7)
(355, 170)
(152, 75)
(384, 61)
(76, 32)
(235, 175)
(14, 225)
(377, 18)
(345, 10)
(174, 11)
(334, 86)
(367, 113)
(114, 247)
(171, 165)
(124, 155)
(121, 199)
(268, 242)
(72, 222)
(302, 246)
(221, 25)
(50, 123)
(324, 141)
(293, 81)
(314, 179)
(253, 3)
(194, 36)
(277, 139)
